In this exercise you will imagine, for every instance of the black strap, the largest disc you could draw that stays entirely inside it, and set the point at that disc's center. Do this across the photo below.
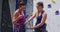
(42, 12)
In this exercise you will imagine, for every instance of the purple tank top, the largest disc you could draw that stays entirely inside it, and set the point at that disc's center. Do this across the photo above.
(20, 22)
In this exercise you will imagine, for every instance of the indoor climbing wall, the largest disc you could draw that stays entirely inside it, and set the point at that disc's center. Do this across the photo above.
(52, 8)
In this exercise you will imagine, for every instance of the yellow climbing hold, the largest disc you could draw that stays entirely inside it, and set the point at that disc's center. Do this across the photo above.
(53, 1)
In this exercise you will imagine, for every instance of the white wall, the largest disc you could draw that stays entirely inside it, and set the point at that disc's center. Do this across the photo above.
(53, 21)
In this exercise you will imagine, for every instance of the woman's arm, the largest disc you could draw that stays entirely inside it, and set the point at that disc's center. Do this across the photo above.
(42, 21)
(15, 18)
(31, 18)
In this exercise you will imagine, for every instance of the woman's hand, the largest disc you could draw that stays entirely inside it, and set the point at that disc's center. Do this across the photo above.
(25, 23)
(20, 16)
(26, 15)
(16, 19)
(31, 28)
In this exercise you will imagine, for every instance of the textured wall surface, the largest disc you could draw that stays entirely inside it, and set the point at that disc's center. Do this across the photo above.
(53, 20)
(0, 13)
(29, 10)
(6, 23)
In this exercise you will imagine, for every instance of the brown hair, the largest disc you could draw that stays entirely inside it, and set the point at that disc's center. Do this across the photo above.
(21, 4)
(40, 4)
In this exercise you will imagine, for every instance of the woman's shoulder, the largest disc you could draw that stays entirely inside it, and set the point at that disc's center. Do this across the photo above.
(35, 12)
(16, 12)
(44, 14)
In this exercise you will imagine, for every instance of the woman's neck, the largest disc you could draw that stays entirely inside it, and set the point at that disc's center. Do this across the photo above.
(39, 11)
(20, 11)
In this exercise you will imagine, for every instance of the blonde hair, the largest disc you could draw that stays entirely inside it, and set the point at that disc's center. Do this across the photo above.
(36, 13)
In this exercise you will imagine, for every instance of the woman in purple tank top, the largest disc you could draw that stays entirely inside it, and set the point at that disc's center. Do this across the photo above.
(19, 18)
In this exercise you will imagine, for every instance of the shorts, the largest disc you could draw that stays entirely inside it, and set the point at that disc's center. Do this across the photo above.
(44, 30)
(19, 30)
